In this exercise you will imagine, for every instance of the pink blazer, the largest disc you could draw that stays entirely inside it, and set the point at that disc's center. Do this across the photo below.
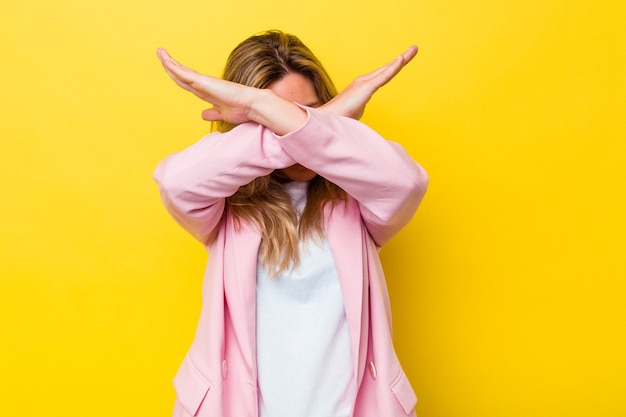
(385, 186)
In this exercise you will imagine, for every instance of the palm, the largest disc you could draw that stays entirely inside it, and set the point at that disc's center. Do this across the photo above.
(231, 101)
(351, 101)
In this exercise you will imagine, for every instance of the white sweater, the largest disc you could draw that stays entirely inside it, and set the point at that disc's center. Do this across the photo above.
(303, 346)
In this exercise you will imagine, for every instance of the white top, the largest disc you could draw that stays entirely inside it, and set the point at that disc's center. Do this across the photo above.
(303, 345)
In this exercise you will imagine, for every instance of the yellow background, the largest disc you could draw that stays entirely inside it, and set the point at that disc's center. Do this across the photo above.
(507, 288)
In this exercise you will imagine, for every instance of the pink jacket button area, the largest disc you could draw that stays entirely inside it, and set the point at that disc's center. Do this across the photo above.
(224, 368)
(373, 369)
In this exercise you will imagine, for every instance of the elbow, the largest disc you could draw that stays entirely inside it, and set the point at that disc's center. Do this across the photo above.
(423, 181)
(403, 199)
(168, 183)
(171, 191)
(418, 186)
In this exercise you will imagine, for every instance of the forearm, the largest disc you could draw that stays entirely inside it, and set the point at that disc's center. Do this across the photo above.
(380, 175)
(195, 182)
(275, 113)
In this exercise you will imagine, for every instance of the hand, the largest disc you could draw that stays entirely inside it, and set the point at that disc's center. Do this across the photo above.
(232, 102)
(235, 103)
(352, 100)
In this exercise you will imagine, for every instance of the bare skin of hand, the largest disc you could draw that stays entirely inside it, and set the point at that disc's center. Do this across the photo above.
(351, 101)
(236, 103)
(232, 102)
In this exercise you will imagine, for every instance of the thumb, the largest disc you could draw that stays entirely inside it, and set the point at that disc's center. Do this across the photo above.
(212, 115)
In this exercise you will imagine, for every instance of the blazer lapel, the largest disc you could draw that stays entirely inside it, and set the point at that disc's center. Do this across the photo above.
(344, 234)
(240, 287)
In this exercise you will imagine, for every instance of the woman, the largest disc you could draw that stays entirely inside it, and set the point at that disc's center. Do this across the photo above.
(292, 198)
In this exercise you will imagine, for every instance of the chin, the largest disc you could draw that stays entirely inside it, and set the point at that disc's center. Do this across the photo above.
(302, 177)
(299, 173)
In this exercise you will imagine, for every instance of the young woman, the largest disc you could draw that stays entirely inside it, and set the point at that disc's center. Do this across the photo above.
(292, 197)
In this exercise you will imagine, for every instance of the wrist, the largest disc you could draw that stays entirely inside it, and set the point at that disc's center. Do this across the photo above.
(260, 105)
(277, 114)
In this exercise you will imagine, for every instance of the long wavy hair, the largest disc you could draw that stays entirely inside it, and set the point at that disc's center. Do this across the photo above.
(258, 62)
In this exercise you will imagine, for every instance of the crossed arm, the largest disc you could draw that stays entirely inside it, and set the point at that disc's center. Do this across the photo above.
(236, 103)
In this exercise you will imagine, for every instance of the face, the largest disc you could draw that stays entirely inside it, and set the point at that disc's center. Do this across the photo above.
(298, 89)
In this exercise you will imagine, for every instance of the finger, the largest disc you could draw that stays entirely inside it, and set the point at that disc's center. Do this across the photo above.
(409, 54)
(175, 69)
(384, 74)
(162, 54)
(166, 59)
(183, 76)
(212, 115)
(401, 60)
(171, 67)
(392, 68)
(177, 79)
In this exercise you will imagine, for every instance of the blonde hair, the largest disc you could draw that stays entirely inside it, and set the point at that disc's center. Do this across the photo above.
(258, 62)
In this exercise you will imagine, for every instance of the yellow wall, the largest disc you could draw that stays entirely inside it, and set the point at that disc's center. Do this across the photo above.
(508, 286)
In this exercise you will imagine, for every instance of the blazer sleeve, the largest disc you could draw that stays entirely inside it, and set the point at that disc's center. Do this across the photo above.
(386, 182)
(195, 182)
